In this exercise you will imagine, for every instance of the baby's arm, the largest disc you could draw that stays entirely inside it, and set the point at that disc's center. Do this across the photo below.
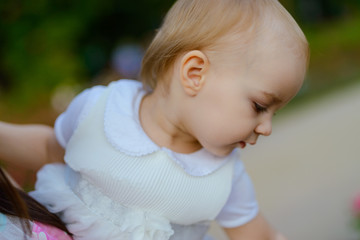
(256, 229)
(30, 146)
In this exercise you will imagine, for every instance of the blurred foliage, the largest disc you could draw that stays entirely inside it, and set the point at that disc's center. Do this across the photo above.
(335, 51)
(333, 31)
(45, 44)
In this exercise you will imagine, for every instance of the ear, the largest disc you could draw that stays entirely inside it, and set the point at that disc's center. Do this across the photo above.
(194, 65)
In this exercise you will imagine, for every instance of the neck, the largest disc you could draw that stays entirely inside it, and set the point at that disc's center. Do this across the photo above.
(160, 117)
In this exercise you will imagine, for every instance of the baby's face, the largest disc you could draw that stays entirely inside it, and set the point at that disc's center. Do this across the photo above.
(239, 99)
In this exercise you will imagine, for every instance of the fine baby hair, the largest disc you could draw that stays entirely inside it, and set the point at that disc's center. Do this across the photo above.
(210, 26)
(23, 210)
(160, 160)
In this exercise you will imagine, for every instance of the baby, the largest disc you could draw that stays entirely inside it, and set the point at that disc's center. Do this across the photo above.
(160, 160)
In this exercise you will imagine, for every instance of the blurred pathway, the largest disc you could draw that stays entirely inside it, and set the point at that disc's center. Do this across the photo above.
(307, 173)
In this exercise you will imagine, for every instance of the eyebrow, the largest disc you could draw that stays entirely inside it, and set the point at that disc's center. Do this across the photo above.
(274, 98)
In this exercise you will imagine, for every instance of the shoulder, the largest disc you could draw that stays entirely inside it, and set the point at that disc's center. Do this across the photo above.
(81, 105)
(123, 86)
(126, 87)
(126, 83)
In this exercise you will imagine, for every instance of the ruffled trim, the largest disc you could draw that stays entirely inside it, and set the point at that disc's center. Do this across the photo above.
(85, 217)
(124, 132)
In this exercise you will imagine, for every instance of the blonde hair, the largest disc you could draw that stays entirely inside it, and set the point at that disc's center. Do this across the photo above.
(200, 24)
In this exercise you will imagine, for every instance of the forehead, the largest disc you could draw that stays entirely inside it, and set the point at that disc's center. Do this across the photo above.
(278, 71)
(267, 45)
(272, 68)
(272, 56)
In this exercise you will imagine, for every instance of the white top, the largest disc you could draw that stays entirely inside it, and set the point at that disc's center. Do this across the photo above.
(126, 133)
(123, 132)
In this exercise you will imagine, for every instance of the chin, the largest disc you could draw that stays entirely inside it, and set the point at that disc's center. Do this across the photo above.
(221, 152)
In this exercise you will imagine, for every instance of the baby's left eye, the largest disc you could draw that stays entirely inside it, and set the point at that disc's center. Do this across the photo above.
(259, 108)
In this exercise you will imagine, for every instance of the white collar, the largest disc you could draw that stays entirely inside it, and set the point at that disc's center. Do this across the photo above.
(123, 130)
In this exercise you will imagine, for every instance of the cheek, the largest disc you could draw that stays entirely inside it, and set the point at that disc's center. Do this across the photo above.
(217, 129)
(220, 116)
(207, 127)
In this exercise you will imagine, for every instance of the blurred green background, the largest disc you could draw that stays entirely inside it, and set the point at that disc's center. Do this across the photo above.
(52, 49)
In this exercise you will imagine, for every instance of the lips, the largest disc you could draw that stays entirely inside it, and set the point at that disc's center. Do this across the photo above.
(242, 144)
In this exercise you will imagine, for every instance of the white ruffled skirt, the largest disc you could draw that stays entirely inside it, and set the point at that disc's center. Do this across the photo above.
(86, 219)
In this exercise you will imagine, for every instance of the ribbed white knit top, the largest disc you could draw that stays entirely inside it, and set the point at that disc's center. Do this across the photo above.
(118, 192)
(153, 183)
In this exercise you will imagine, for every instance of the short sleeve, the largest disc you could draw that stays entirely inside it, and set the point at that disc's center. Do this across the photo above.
(68, 121)
(241, 206)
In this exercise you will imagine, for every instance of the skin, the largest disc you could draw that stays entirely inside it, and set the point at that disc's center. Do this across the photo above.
(223, 106)
(237, 103)
(210, 103)
(29, 145)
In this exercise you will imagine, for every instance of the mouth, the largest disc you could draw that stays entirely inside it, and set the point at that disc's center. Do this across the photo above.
(243, 144)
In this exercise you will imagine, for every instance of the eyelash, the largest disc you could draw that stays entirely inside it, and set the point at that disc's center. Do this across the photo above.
(259, 108)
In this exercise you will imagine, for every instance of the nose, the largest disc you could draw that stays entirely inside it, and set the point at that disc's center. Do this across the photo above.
(264, 127)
